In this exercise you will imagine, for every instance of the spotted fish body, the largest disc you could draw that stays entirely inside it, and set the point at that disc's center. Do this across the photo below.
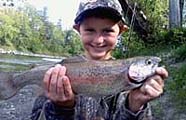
(88, 77)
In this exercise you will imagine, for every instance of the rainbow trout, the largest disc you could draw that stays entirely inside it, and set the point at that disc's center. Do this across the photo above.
(89, 77)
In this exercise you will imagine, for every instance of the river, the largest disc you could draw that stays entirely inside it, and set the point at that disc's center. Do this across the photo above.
(19, 106)
(10, 62)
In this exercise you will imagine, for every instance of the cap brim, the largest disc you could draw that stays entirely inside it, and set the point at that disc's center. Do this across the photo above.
(101, 12)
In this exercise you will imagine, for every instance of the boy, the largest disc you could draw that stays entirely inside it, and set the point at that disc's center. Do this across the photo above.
(99, 23)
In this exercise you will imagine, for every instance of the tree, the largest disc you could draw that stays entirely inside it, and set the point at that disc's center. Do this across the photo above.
(184, 14)
(146, 17)
(72, 42)
(174, 14)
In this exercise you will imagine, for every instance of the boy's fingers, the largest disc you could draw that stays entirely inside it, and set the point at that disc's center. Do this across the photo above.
(53, 80)
(67, 87)
(46, 79)
(150, 91)
(162, 72)
(156, 78)
(60, 88)
(62, 71)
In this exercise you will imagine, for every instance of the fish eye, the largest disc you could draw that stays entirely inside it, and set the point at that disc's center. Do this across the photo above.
(148, 62)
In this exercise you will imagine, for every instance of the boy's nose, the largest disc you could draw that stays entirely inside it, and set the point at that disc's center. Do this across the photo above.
(99, 39)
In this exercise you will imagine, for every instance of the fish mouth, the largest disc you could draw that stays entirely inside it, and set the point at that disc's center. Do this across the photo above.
(157, 59)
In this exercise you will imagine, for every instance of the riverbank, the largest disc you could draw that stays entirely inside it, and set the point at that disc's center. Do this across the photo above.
(15, 52)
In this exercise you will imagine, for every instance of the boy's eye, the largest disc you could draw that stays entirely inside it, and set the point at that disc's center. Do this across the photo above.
(108, 31)
(89, 30)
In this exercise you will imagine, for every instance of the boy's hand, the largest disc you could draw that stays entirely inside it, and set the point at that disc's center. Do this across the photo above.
(57, 86)
(151, 89)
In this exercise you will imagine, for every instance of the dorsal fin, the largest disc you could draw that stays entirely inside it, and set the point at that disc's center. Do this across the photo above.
(74, 59)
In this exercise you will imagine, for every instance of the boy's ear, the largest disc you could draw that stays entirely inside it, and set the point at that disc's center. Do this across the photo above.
(76, 27)
(123, 28)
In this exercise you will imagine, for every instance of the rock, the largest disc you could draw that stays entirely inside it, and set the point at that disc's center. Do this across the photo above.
(20, 106)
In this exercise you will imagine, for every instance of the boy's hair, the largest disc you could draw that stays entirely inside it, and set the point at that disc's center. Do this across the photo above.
(110, 9)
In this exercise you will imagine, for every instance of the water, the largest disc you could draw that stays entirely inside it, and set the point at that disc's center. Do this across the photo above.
(9, 62)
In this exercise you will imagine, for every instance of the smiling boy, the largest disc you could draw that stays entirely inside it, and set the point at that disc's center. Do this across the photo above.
(99, 23)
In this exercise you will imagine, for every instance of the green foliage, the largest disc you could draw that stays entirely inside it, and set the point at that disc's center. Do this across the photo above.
(177, 86)
(128, 47)
(179, 54)
(73, 43)
(156, 12)
(174, 37)
(7, 31)
(26, 30)
(172, 41)
(134, 46)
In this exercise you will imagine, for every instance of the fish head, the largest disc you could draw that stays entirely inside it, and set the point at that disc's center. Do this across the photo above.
(142, 68)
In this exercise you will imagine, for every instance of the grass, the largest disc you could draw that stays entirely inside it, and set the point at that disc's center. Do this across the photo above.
(177, 86)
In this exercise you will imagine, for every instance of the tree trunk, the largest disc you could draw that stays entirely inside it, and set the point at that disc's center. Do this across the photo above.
(174, 15)
(184, 14)
(181, 10)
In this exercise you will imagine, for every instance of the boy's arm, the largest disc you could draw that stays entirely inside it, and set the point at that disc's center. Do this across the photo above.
(45, 109)
(123, 111)
(37, 108)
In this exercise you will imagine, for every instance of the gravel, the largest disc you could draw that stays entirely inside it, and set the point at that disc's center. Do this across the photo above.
(20, 106)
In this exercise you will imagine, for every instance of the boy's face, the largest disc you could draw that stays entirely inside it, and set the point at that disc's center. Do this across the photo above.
(99, 37)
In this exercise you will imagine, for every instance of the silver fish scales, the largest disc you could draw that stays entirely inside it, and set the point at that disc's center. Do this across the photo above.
(89, 77)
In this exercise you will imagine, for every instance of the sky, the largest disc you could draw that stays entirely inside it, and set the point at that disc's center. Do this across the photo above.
(58, 9)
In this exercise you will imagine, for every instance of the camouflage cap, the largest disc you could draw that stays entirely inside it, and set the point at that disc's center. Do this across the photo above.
(88, 5)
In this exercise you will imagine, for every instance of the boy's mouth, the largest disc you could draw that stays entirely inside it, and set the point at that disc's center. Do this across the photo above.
(98, 46)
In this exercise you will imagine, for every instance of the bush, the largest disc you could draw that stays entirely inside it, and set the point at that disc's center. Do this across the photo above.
(174, 37)
(179, 54)
(177, 86)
